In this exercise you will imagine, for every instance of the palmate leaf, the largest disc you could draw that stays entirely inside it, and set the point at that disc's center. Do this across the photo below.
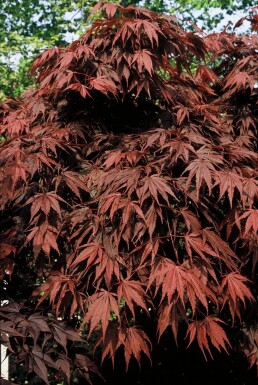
(208, 331)
(104, 85)
(43, 237)
(235, 291)
(62, 333)
(64, 365)
(179, 149)
(129, 157)
(15, 172)
(127, 209)
(73, 180)
(228, 182)
(83, 90)
(110, 343)
(39, 362)
(92, 254)
(135, 341)
(33, 325)
(203, 169)
(170, 314)
(250, 191)
(86, 366)
(133, 294)
(251, 222)
(143, 60)
(7, 329)
(111, 202)
(237, 81)
(104, 260)
(182, 113)
(148, 250)
(208, 243)
(45, 202)
(155, 186)
(62, 293)
(99, 308)
(177, 282)
(191, 220)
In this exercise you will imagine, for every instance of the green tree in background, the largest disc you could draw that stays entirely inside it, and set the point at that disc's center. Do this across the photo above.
(27, 27)
(212, 12)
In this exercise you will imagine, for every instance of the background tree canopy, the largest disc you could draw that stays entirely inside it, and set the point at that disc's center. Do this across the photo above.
(29, 26)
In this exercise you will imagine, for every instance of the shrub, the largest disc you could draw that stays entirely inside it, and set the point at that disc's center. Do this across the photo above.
(129, 190)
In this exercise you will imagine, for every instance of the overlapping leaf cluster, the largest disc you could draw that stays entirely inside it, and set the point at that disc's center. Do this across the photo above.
(129, 186)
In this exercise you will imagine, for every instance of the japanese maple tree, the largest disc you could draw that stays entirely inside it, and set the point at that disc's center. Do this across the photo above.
(129, 190)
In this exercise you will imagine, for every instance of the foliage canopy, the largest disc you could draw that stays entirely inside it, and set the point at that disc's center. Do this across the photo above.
(27, 27)
(129, 190)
